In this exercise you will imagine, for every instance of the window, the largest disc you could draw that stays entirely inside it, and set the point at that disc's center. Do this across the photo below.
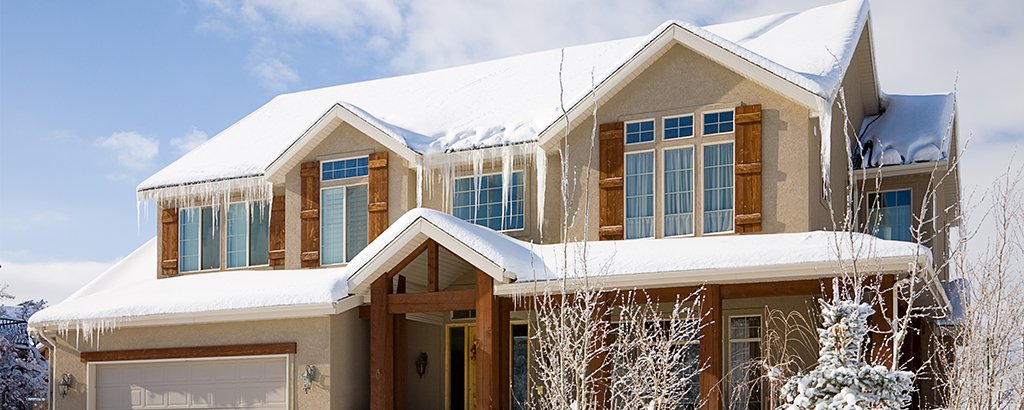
(344, 168)
(679, 127)
(718, 122)
(639, 195)
(679, 191)
(344, 223)
(890, 215)
(248, 234)
(198, 239)
(479, 200)
(744, 370)
(718, 188)
(639, 131)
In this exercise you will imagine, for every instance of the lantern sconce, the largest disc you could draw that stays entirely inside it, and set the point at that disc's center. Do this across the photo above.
(307, 377)
(421, 364)
(67, 382)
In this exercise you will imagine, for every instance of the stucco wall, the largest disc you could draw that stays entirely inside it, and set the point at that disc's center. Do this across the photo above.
(425, 392)
(350, 361)
(312, 337)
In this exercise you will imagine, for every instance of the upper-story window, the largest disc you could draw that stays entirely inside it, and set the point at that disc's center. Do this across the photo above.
(639, 196)
(639, 131)
(678, 127)
(890, 215)
(718, 188)
(678, 191)
(248, 234)
(344, 219)
(720, 122)
(198, 239)
(479, 200)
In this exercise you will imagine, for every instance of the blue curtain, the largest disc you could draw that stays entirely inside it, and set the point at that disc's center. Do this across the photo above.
(259, 233)
(357, 220)
(188, 240)
(210, 231)
(718, 188)
(237, 235)
(679, 191)
(332, 225)
(639, 195)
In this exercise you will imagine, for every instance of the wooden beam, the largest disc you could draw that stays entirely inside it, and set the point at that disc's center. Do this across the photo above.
(433, 268)
(382, 347)
(400, 351)
(881, 352)
(504, 353)
(432, 302)
(711, 349)
(782, 288)
(190, 352)
(486, 348)
(405, 262)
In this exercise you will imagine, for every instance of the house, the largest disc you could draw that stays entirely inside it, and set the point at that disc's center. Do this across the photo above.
(360, 246)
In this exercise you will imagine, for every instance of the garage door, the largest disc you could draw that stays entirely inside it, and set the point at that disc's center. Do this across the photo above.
(258, 383)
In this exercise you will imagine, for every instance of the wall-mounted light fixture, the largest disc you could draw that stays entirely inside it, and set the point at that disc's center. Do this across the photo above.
(421, 364)
(308, 376)
(67, 382)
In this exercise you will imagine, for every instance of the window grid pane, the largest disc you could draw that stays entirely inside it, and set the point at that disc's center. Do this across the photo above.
(890, 215)
(210, 232)
(482, 204)
(744, 369)
(237, 235)
(188, 240)
(639, 195)
(718, 122)
(679, 127)
(718, 188)
(345, 168)
(642, 131)
(259, 233)
(332, 225)
(679, 191)
(357, 219)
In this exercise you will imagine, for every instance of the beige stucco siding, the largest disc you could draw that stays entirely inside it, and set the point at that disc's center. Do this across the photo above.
(345, 141)
(350, 361)
(683, 82)
(312, 337)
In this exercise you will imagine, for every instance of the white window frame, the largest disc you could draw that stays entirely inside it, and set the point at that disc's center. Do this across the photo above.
(654, 193)
(320, 168)
(248, 234)
(654, 138)
(880, 192)
(693, 183)
(670, 117)
(728, 345)
(451, 195)
(344, 213)
(732, 110)
(703, 229)
(215, 209)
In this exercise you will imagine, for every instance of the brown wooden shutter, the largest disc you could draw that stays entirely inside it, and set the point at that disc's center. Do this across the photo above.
(748, 168)
(169, 241)
(310, 214)
(276, 256)
(611, 146)
(378, 194)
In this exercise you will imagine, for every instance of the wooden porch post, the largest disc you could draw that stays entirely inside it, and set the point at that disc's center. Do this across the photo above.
(880, 352)
(400, 352)
(487, 360)
(711, 349)
(504, 354)
(382, 346)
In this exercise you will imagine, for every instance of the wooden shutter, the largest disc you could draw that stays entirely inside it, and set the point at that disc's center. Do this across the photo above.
(378, 194)
(276, 256)
(610, 147)
(310, 214)
(169, 241)
(748, 168)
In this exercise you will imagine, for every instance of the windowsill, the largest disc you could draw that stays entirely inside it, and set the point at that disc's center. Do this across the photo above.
(248, 267)
(729, 232)
(718, 133)
(689, 235)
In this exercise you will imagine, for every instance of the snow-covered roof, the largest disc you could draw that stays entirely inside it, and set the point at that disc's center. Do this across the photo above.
(512, 100)
(912, 128)
(131, 291)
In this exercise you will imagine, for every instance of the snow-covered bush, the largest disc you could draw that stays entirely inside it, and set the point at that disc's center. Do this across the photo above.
(842, 380)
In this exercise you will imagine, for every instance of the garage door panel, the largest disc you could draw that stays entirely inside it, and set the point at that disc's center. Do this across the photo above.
(227, 383)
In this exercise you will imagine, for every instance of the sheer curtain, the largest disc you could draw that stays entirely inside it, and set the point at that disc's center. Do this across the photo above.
(259, 233)
(188, 240)
(332, 225)
(357, 220)
(718, 188)
(639, 195)
(237, 235)
(679, 191)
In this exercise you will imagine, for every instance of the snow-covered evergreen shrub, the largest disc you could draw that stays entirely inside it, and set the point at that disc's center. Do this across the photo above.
(842, 380)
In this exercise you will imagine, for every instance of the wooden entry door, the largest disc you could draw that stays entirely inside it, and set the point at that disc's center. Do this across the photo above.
(461, 364)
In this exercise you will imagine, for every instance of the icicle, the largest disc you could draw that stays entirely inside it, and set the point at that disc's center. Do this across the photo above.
(419, 185)
(507, 164)
(540, 160)
(253, 188)
(825, 132)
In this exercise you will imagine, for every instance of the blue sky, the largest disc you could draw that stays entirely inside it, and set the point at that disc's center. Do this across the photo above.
(95, 96)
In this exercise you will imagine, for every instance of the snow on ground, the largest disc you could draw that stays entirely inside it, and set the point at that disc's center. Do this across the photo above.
(510, 100)
(913, 128)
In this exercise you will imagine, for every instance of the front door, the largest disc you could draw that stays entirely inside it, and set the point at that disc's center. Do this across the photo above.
(461, 363)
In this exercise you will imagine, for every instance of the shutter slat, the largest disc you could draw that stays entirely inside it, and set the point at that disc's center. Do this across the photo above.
(611, 167)
(748, 168)
(169, 241)
(310, 214)
(277, 224)
(378, 194)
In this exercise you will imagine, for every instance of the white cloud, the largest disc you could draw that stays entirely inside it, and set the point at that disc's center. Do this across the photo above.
(133, 150)
(274, 74)
(189, 141)
(52, 281)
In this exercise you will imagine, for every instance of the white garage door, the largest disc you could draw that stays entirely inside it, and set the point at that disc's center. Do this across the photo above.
(258, 383)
